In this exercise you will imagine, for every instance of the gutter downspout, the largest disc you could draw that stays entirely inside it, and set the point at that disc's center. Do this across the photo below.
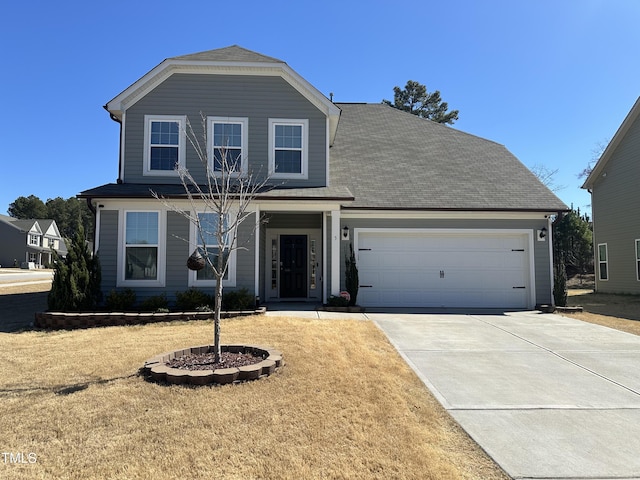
(95, 223)
(117, 120)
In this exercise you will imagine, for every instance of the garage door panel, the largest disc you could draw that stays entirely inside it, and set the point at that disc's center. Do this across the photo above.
(443, 270)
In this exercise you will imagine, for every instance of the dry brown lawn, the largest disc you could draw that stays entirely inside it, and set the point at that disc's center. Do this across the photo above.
(621, 312)
(344, 406)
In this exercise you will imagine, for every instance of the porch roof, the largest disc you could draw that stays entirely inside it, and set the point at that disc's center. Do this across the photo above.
(176, 191)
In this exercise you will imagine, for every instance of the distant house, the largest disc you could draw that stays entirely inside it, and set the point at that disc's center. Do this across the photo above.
(614, 184)
(437, 217)
(29, 243)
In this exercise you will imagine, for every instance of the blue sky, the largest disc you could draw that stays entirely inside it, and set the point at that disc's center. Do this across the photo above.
(548, 79)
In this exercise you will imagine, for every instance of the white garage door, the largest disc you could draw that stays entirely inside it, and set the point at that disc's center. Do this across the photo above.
(427, 269)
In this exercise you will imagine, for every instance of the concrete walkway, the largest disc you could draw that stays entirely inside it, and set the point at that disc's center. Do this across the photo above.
(544, 395)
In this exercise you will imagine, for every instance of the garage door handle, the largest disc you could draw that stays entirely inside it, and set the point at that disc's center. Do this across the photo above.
(519, 287)
(365, 286)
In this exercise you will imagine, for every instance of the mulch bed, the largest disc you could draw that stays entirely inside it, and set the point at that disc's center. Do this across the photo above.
(205, 361)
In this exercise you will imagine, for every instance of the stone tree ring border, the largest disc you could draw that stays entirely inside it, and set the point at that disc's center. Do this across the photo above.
(156, 367)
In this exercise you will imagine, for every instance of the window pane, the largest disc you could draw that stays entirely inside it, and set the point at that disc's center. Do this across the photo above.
(638, 249)
(141, 228)
(141, 263)
(227, 134)
(165, 133)
(207, 272)
(209, 226)
(233, 159)
(602, 253)
(164, 158)
(288, 161)
(288, 136)
(603, 271)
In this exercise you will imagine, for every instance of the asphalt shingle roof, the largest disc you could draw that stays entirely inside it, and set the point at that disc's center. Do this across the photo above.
(233, 53)
(391, 159)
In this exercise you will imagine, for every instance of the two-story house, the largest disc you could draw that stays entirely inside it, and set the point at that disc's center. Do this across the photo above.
(29, 242)
(437, 217)
(614, 184)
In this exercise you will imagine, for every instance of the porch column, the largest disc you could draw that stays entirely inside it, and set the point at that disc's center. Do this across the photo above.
(256, 237)
(335, 252)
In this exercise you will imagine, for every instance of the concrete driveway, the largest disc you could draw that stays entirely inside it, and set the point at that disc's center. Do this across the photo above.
(544, 395)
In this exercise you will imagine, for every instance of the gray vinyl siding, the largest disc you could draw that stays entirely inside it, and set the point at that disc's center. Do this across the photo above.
(108, 249)
(257, 98)
(541, 249)
(177, 274)
(13, 245)
(294, 220)
(245, 261)
(177, 252)
(616, 214)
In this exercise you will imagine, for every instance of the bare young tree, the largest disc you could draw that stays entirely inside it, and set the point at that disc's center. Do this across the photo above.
(227, 192)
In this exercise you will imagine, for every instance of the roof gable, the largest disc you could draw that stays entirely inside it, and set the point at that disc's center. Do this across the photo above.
(630, 119)
(234, 53)
(391, 159)
(233, 60)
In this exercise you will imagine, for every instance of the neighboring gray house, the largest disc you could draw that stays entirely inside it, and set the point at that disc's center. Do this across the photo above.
(614, 184)
(29, 243)
(437, 217)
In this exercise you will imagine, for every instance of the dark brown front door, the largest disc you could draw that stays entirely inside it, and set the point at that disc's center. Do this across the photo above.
(293, 266)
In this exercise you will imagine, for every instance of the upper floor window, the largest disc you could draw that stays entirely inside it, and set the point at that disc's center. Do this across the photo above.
(288, 148)
(34, 239)
(229, 144)
(603, 262)
(164, 144)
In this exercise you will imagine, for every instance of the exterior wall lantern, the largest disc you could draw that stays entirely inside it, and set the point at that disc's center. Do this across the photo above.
(542, 233)
(345, 233)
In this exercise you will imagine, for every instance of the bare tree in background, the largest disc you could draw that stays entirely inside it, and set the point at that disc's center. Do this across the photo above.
(546, 176)
(596, 153)
(227, 193)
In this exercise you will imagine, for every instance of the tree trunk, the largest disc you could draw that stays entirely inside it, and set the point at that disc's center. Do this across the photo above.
(216, 319)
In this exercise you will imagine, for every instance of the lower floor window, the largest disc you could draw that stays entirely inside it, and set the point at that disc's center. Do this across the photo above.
(603, 262)
(206, 237)
(141, 245)
(638, 260)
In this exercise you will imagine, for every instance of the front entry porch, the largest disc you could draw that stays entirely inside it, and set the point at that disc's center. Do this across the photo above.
(293, 258)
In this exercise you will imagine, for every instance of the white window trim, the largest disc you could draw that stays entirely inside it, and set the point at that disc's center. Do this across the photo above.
(244, 121)
(34, 237)
(194, 241)
(305, 147)
(636, 244)
(606, 262)
(182, 121)
(162, 250)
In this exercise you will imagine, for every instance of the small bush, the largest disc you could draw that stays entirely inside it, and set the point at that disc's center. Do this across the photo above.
(155, 304)
(337, 301)
(193, 299)
(238, 300)
(121, 301)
